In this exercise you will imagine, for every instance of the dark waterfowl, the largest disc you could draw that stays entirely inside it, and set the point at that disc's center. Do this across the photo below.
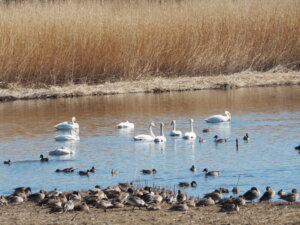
(43, 159)
(215, 195)
(252, 194)
(84, 173)
(92, 170)
(37, 197)
(268, 195)
(154, 171)
(235, 190)
(220, 140)
(8, 162)
(211, 173)
(290, 197)
(297, 147)
(187, 184)
(246, 137)
(229, 208)
(193, 168)
(281, 192)
(206, 130)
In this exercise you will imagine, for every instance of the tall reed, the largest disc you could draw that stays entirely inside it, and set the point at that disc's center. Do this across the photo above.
(94, 41)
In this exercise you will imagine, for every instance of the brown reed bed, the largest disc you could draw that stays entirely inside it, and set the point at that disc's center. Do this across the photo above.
(63, 42)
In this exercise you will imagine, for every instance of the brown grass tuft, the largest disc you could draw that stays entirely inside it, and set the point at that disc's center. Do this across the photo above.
(96, 41)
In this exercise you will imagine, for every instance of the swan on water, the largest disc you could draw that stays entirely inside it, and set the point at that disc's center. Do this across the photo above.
(190, 135)
(126, 124)
(162, 137)
(146, 137)
(61, 151)
(67, 125)
(219, 118)
(175, 132)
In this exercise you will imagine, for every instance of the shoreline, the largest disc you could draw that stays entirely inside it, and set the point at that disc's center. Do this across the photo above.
(12, 92)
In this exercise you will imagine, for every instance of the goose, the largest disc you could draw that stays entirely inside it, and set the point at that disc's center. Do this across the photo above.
(67, 125)
(146, 137)
(126, 124)
(268, 195)
(8, 162)
(114, 172)
(21, 189)
(190, 135)
(246, 137)
(175, 132)
(14, 199)
(61, 151)
(211, 173)
(66, 170)
(252, 194)
(161, 138)
(219, 140)
(73, 136)
(219, 118)
(43, 159)
(290, 197)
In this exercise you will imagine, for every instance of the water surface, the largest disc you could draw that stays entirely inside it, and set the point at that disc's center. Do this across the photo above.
(271, 116)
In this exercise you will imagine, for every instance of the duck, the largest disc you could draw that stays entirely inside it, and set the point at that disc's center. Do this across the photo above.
(43, 159)
(175, 132)
(144, 171)
(202, 140)
(246, 137)
(190, 135)
(73, 136)
(229, 208)
(219, 118)
(8, 162)
(161, 138)
(82, 207)
(290, 197)
(14, 199)
(37, 197)
(235, 190)
(92, 170)
(179, 207)
(211, 173)
(21, 189)
(61, 151)
(114, 172)
(205, 202)
(126, 125)
(104, 204)
(193, 168)
(220, 140)
(187, 184)
(84, 173)
(66, 170)
(240, 201)
(206, 130)
(297, 147)
(281, 192)
(215, 195)
(134, 200)
(146, 137)
(67, 125)
(252, 194)
(268, 195)
(180, 196)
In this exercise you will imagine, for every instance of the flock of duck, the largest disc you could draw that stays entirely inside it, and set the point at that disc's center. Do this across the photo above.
(124, 194)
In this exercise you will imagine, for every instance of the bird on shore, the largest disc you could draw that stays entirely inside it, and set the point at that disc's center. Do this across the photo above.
(290, 197)
(179, 207)
(281, 192)
(161, 138)
(82, 207)
(252, 194)
(246, 137)
(37, 197)
(8, 162)
(43, 159)
(268, 195)
(219, 118)
(215, 195)
(68, 206)
(205, 202)
(153, 171)
(175, 132)
(190, 135)
(126, 125)
(211, 173)
(21, 189)
(229, 208)
(193, 168)
(235, 190)
(180, 196)
(67, 125)
(134, 200)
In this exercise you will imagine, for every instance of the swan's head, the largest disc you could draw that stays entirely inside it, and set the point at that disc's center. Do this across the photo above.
(227, 114)
(173, 122)
(73, 119)
(162, 124)
(152, 124)
(192, 120)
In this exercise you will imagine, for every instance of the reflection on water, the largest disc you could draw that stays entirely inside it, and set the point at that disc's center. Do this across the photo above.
(271, 116)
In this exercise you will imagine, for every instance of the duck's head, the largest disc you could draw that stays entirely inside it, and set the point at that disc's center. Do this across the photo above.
(205, 170)
(154, 171)
(193, 183)
(41, 156)
(28, 189)
(254, 189)
(216, 136)
(294, 191)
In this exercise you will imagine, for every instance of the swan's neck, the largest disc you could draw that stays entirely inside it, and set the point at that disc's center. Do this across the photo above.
(151, 132)
(174, 126)
(161, 130)
(192, 128)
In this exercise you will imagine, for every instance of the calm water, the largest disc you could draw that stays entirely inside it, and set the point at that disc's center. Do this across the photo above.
(271, 116)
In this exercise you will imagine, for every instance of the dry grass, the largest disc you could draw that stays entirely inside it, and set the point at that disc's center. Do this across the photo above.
(96, 41)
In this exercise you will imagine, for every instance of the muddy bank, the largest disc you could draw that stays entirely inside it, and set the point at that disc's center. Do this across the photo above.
(9, 92)
(257, 213)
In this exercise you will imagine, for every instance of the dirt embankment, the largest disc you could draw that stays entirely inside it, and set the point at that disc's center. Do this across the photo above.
(257, 213)
(156, 85)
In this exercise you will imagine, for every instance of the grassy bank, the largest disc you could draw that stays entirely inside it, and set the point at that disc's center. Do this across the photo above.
(96, 41)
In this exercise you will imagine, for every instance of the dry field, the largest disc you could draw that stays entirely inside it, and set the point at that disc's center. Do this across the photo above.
(90, 42)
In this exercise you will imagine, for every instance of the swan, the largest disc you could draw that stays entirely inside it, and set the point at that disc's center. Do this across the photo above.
(67, 125)
(126, 124)
(61, 151)
(160, 138)
(190, 135)
(219, 118)
(146, 137)
(175, 132)
(68, 137)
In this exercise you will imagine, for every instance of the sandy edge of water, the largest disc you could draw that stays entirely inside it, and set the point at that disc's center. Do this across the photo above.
(155, 85)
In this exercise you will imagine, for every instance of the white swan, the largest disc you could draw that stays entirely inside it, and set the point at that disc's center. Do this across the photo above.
(219, 118)
(61, 151)
(146, 137)
(73, 136)
(190, 135)
(162, 137)
(126, 124)
(175, 132)
(67, 125)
